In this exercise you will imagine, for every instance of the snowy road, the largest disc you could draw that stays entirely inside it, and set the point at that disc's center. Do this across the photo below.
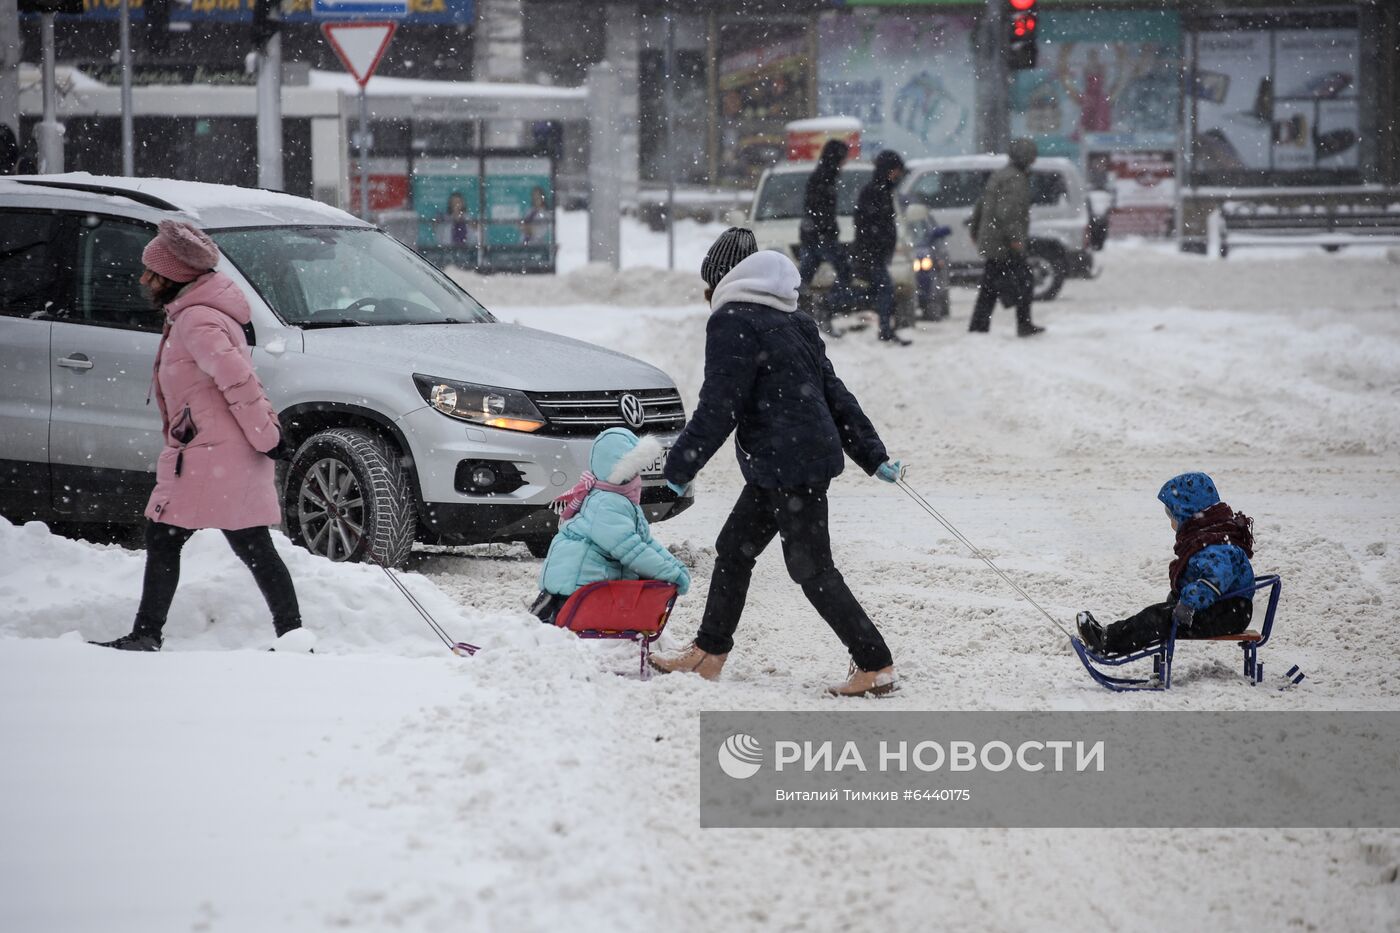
(380, 786)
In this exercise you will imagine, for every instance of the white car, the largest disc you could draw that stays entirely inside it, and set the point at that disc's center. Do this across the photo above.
(948, 187)
(417, 416)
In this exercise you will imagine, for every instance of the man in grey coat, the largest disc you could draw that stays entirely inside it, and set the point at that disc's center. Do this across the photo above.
(1000, 226)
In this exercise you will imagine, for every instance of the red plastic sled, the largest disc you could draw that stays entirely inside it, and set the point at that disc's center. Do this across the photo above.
(635, 610)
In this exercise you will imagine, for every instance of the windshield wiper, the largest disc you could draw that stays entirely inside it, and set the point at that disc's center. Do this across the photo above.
(318, 325)
(446, 320)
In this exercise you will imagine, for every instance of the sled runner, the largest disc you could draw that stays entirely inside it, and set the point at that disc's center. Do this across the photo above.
(1161, 654)
(635, 610)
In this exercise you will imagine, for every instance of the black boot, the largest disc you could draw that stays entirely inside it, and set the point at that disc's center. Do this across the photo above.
(1091, 632)
(1029, 330)
(132, 642)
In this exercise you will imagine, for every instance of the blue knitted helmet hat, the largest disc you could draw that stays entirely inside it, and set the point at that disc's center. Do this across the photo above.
(1187, 494)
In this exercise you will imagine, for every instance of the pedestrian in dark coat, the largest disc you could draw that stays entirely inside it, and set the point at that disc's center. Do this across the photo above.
(768, 379)
(1000, 225)
(820, 234)
(876, 237)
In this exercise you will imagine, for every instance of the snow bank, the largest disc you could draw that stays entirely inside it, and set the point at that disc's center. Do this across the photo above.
(56, 587)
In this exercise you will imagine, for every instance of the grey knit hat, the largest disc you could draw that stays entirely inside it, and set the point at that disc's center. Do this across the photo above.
(731, 248)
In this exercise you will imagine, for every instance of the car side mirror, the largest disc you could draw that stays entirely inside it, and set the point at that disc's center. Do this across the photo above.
(916, 213)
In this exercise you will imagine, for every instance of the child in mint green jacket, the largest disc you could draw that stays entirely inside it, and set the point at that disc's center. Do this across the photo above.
(603, 533)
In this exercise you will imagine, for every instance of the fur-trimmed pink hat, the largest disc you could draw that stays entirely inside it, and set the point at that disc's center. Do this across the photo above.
(180, 252)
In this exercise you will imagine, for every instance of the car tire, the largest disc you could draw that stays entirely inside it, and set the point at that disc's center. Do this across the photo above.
(1048, 272)
(374, 519)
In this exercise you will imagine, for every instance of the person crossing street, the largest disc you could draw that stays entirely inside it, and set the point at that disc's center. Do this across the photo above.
(1000, 226)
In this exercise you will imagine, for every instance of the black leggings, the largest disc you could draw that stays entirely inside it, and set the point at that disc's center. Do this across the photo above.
(799, 515)
(1151, 625)
(252, 545)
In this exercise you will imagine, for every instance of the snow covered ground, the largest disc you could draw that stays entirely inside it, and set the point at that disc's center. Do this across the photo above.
(383, 784)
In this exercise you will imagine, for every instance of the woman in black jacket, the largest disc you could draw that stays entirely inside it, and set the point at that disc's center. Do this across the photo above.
(767, 375)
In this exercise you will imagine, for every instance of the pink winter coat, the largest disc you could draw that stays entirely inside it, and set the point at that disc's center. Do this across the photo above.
(215, 415)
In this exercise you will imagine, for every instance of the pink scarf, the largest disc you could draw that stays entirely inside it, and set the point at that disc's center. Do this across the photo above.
(570, 502)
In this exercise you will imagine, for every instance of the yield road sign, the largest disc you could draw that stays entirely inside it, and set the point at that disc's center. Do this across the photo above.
(360, 46)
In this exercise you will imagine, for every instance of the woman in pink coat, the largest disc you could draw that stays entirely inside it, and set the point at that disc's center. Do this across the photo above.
(221, 437)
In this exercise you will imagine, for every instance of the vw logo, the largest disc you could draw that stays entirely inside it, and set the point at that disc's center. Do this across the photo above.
(631, 408)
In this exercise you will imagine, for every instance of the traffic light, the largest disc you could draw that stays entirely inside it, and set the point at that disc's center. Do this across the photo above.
(1021, 26)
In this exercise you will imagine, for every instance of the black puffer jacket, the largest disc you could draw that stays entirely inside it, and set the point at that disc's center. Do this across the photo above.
(766, 374)
(876, 233)
(819, 226)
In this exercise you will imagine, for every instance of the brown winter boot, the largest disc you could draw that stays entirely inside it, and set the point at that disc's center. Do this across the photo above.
(691, 660)
(861, 683)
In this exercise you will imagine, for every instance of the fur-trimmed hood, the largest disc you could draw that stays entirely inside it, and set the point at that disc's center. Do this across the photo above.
(618, 455)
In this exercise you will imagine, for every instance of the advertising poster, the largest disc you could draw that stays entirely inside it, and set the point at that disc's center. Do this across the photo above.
(1315, 74)
(445, 197)
(518, 200)
(1106, 81)
(1143, 184)
(907, 78)
(1233, 84)
(761, 89)
(1281, 100)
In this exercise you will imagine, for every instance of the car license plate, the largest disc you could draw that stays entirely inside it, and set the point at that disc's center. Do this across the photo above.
(653, 469)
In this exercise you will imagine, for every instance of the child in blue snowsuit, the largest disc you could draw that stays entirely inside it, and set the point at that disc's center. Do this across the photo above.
(603, 533)
(1214, 544)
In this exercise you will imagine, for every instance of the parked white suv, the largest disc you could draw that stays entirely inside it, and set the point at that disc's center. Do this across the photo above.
(416, 414)
(949, 187)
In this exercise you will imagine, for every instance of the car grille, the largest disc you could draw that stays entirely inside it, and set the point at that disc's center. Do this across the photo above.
(587, 413)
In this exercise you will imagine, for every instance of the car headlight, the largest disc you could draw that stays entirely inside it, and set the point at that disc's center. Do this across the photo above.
(494, 407)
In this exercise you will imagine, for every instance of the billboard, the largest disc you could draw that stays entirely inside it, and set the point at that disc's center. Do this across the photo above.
(908, 79)
(1107, 82)
(1276, 100)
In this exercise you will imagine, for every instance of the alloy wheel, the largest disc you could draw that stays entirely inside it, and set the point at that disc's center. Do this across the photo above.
(331, 510)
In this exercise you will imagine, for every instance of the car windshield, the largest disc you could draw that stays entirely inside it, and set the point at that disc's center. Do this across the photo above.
(783, 193)
(343, 277)
(962, 187)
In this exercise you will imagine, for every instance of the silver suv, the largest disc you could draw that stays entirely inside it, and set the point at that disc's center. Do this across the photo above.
(417, 416)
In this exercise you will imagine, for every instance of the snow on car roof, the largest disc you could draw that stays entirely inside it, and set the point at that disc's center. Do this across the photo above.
(817, 124)
(211, 205)
(783, 167)
(985, 160)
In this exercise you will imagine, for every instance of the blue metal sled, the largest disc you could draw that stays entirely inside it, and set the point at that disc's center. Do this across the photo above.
(1161, 654)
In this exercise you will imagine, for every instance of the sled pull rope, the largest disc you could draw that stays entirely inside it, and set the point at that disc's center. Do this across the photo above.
(924, 504)
(460, 648)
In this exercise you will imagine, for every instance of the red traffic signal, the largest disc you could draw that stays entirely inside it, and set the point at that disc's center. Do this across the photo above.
(1022, 19)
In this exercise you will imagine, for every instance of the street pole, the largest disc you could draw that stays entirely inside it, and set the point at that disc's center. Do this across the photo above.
(9, 67)
(128, 136)
(362, 145)
(270, 114)
(993, 80)
(670, 140)
(49, 132)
